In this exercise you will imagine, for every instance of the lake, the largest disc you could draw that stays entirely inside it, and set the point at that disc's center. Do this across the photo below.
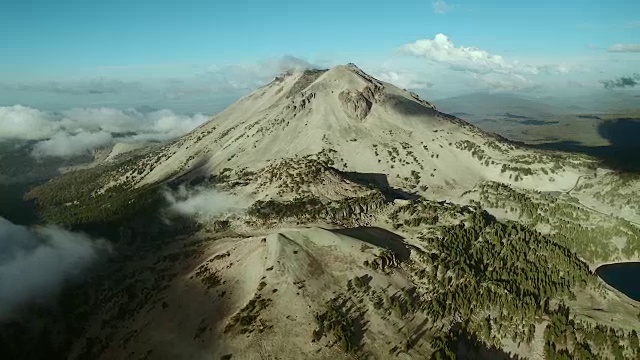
(625, 277)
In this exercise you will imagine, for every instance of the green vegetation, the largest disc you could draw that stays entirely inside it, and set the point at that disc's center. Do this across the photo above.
(423, 212)
(306, 209)
(247, 320)
(460, 343)
(475, 149)
(585, 232)
(209, 278)
(482, 263)
(342, 321)
(490, 279)
(566, 338)
(520, 171)
(383, 261)
(72, 200)
(618, 191)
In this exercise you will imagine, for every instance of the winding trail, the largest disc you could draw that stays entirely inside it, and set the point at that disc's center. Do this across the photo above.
(577, 182)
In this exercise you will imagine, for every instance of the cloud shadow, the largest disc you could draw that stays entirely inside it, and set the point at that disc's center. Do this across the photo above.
(622, 152)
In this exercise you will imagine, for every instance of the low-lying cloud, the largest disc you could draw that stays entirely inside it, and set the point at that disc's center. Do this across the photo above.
(624, 48)
(23, 123)
(204, 203)
(78, 131)
(622, 82)
(405, 80)
(66, 145)
(251, 76)
(35, 263)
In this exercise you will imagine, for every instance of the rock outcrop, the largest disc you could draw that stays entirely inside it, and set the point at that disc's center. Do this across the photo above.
(355, 104)
(422, 101)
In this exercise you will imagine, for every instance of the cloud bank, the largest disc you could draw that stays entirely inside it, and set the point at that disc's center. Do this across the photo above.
(78, 131)
(65, 145)
(20, 122)
(36, 263)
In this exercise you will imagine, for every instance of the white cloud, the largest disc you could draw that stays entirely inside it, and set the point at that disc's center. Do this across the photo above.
(166, 123)
(250, 76)
(21, 122)
(159, 125)
(441, 7)
(204, 203)
(442, 50)
(625, 48)
(77, 131)
(65, 145)
(561, 69)
(474, 69)
(35, 263)
(405, 80)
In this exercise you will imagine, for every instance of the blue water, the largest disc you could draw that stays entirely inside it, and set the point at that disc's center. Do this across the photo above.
(623, 276)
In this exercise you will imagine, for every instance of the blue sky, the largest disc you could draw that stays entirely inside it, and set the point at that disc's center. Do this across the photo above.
(191, 54)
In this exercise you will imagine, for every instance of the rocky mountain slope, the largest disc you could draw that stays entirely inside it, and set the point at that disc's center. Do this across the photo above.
(363, 125)
(364, 224)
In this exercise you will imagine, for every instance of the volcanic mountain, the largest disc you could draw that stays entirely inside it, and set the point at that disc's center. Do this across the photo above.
(363, 125)
(332, 215)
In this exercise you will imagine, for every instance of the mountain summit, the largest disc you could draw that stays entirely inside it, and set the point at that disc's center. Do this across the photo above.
(364, 125)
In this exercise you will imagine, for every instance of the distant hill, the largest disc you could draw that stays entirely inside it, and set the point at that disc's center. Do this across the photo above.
(480, 105)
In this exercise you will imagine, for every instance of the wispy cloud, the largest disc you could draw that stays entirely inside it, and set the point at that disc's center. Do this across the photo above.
(622, 82)
(442, 7)
(624, 48)
(202, 79)
(405, 79)
(204, 203)
(252, 75)
(97, 86)
(503, 83)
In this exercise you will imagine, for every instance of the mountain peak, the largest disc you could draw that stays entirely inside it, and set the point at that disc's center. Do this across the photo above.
(358, 124)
